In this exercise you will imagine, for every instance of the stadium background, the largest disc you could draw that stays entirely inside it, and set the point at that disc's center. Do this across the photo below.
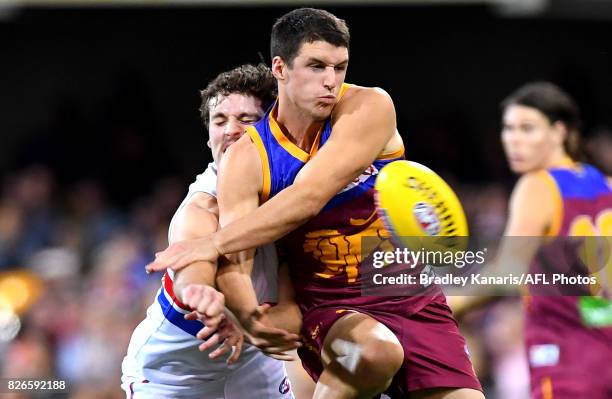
(100, 135)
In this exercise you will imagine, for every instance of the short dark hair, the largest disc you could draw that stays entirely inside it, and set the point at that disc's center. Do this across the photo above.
(556, 104)
(247, 79)
(306, 25)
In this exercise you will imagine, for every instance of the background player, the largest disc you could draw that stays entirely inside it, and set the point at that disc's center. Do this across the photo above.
(163, 359)
(356, 345)
(569, 353)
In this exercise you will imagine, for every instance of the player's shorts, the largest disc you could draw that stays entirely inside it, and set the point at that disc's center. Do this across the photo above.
(435, 353)
(163, 361)
(569, 363)
(260, 377)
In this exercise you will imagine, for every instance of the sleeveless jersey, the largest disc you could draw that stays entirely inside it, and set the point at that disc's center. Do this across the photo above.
(583, 208)
(568, 328)
(324, 255)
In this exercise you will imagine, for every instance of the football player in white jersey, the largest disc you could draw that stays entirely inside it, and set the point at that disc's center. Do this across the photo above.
(165, 357)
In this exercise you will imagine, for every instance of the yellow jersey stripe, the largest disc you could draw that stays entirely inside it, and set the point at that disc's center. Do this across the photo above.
(547, 391)
(265, 165)
(555, 226)
(391, 155)
(288, 145)
(284, 142)
(343, 90)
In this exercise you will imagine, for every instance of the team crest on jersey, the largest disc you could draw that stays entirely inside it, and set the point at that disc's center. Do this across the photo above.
(425, 214)
(285, 386)
(369, 172)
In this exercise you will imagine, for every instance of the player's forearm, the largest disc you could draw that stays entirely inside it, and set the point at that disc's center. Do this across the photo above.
(288, 210)
(237, 287)
(286, 316)
(196, 273)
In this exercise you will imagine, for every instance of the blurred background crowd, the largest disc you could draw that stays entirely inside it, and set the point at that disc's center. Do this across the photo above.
(100, 138)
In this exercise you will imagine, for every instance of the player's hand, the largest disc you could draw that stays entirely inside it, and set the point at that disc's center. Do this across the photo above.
(183, 253)
(227, 335)
(207, 302)
(272, 341)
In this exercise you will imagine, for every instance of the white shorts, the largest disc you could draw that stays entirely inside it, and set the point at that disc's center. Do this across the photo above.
(163, 361)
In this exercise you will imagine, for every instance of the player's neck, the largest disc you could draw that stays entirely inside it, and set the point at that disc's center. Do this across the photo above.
(298, 126)
(560, 159)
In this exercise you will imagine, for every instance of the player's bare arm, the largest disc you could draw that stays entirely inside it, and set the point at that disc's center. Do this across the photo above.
(194, 285)
(286, 313)
(239, 185)
(364, 126)
(197, 219)
(531, 211)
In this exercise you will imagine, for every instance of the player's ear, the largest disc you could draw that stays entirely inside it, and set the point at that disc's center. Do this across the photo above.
(559, 132)
(279, 68)
(208, 143)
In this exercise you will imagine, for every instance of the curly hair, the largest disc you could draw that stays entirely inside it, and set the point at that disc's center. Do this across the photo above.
(247, 79)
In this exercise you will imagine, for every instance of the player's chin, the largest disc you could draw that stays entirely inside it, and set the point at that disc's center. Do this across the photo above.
(322, 111)
(519, 168)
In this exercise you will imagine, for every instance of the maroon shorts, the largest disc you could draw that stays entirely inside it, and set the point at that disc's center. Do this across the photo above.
(569, 363)
(435, 354)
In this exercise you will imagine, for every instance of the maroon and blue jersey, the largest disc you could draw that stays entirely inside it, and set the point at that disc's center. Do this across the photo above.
(325, 254)
(583, 209)
(328, 263)
(568, 335)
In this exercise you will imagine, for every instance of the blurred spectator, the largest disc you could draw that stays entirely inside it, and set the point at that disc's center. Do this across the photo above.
(26, 202)
(90, 259)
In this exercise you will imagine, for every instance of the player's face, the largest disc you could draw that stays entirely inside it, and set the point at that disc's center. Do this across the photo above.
(315, 78)
(229, 117)
(529, 139)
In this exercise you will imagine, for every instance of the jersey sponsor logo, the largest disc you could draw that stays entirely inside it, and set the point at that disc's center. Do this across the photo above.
(369, 172)
(544, 355)
(425, 214)
(285, 386)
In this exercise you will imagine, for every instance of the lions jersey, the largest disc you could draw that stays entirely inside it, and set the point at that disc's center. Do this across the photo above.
(568, 327)
(325, 254)
(163, 360)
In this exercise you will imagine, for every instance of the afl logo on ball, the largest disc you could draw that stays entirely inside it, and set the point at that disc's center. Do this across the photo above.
(427, 218)
(285, 386)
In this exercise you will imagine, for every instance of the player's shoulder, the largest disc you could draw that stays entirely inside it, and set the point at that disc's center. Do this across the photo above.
(357, 95)
(535, 187)
(358, 101)
(535, 180)
(360, 98)
(242, 152)
(241, 164)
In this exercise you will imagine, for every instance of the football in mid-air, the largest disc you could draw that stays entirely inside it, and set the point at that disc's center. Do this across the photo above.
(415, 202)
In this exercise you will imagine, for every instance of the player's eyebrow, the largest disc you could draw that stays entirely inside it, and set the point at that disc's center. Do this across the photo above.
(241, 115)
(313, 60)
(218, 115)
(250, 114)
